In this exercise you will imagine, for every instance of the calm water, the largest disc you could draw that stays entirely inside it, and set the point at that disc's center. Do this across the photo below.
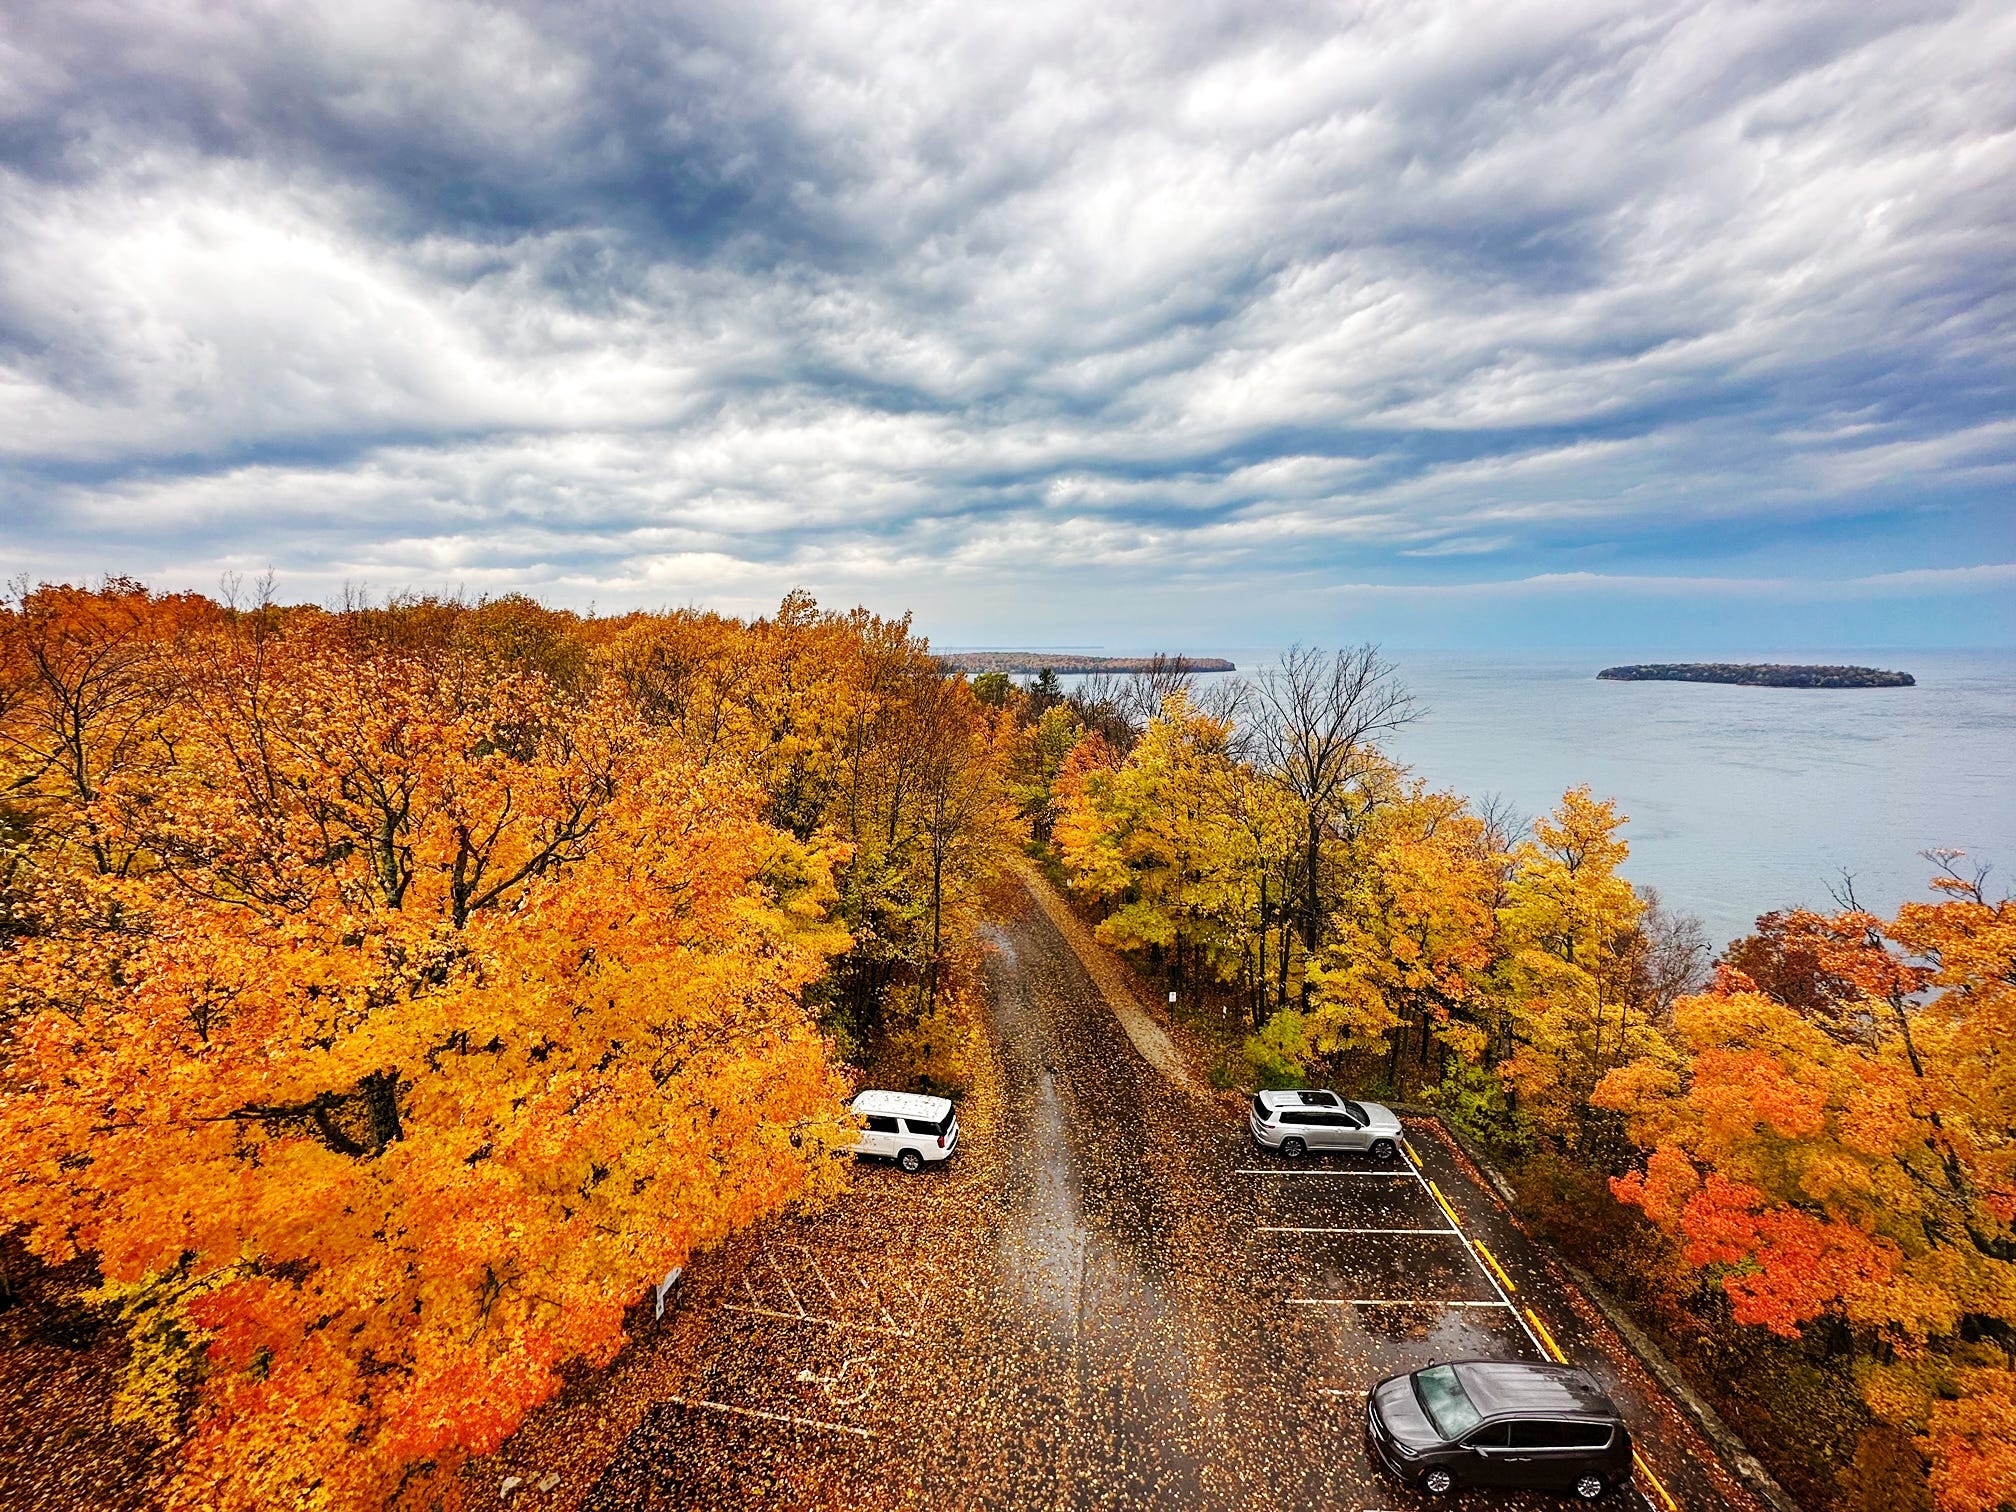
(1740, 799)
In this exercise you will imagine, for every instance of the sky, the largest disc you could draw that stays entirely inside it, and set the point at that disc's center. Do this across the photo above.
(1450, 325)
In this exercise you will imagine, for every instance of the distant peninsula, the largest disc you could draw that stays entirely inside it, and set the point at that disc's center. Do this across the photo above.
(1759, 675)
(1032, 662)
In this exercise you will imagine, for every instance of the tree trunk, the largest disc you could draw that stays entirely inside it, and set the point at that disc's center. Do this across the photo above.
(937, 920)
(381, 1100)
(1313, 908)
(1281, 997)
(1260, 976)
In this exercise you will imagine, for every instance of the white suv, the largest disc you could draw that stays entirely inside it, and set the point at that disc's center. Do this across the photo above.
(1295, 1122)
(906, 1128)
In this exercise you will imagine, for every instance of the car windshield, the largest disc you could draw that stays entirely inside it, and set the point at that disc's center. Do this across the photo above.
(1444, 1400)
(1357, 1112)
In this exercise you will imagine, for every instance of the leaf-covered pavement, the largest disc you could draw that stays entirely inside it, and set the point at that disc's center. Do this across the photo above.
(1109, 1298)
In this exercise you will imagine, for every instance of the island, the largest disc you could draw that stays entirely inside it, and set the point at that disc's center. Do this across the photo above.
(1760, 675)
(1032, 662)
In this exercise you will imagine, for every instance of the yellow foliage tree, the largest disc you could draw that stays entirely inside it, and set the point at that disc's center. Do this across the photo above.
(430, 1013)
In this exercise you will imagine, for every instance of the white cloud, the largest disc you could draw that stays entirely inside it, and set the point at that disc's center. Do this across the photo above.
(598, 299)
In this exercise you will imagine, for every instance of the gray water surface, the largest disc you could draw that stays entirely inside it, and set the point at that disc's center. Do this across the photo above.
(1740, 799)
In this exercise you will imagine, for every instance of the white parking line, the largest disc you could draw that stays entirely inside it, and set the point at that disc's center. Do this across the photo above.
(1383, 1301)
(1361, 1175)
(806, 1317)
(1477, 1260)
(800, 1315)
(771, 1417)
(1274, 1229)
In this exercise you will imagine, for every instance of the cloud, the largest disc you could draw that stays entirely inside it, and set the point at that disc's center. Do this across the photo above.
(604, 303)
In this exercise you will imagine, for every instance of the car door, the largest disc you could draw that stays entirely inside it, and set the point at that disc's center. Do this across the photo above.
(1351, 1133)
(882, 1135)
(1547, 1455)
(1485, 1462)
(1333, 1130)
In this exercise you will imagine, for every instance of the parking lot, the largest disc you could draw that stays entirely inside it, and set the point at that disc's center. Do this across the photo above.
(1377, 1273)
(1110, 1298)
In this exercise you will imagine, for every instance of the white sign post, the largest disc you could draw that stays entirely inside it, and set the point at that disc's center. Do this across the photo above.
(665, 1287)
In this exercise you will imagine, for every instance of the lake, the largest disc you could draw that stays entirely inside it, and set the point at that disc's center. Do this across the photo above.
(1740, 799)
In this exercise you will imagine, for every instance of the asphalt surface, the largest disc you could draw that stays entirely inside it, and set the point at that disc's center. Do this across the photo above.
(1109, 1298)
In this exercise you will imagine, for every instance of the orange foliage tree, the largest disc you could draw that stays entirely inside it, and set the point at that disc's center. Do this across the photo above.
(395, 994)
(1840, 1140)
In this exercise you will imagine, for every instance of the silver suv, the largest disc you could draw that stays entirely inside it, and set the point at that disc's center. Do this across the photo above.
(1296, 1122)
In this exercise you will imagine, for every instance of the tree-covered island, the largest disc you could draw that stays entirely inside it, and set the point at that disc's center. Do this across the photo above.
(1760, 675)
(1021, 663)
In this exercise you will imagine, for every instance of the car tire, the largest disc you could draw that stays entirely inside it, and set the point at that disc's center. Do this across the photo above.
(1382, 1149)
(1292, 1148)
(911, 1162)
(1439, 1482)
(1591, 1486)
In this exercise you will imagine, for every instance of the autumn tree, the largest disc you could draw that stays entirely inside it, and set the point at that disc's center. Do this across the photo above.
(1570, 1013)
(1836, 1143)
(1414, 934)
(398, 991)
(1316, 719)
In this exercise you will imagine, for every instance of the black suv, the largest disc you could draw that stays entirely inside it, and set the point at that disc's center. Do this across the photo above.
(1499, 1423)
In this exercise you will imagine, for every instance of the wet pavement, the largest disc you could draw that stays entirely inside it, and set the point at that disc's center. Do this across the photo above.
(1109, 1298)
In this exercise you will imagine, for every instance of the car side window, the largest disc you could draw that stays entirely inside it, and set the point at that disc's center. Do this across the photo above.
(1330, 1120)
(1543, 1435)
(881, 1123)
(1298, 1118)
(1494, 1436)
(922, 1126)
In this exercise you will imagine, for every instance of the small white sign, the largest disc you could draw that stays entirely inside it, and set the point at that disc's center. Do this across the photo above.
(1172, 994)
(665, 1287)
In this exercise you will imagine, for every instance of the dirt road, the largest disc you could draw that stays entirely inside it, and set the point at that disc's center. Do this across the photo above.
(1110, 1298)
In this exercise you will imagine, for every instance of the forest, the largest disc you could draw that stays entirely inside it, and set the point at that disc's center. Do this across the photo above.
(1795, 1160)
(394, 992)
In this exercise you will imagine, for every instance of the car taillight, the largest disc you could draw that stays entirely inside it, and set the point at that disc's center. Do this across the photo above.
(941, 1141)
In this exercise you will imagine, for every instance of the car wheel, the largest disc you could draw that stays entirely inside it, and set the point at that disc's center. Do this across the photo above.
(1382, 1149)
(1439, 1482)
(911, 1161)
(1293, 1148)
(1590, 1486)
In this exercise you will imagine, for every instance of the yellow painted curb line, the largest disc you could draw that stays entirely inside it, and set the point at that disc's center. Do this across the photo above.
(1492, 1260)
(1657, 1484)
(1446, 1208)
(1541, 1328)
(1410, 1150)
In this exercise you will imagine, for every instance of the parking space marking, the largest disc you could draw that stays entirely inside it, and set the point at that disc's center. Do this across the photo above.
(800, 1314)
(1268, 1228)
(1510, 1284)
(1361, 1175)
(1386, 1302)
(772, 1417)
(1553, 1349)
(832, 1385)
(806, 1317)
(1470, 1249)
(1657, 1484)
(1554, 1352)
(813, 1261)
